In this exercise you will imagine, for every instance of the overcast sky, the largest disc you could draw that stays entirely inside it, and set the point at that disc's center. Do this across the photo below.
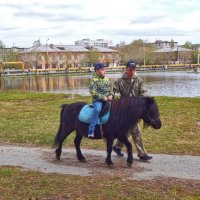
(64, 21)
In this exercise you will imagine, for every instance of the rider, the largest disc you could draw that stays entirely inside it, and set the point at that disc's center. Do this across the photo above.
(101, 90)
(131, 85)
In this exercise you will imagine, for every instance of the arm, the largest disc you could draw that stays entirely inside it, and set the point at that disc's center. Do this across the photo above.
(111, 94)
(143, 91)
(116, 87)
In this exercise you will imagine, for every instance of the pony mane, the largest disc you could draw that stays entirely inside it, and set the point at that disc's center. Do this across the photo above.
(125, 112)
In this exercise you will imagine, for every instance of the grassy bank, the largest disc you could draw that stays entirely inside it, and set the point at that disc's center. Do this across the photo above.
(33, 118)
(17, 184)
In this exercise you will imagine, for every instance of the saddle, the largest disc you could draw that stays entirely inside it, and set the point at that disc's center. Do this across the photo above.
(86, 113)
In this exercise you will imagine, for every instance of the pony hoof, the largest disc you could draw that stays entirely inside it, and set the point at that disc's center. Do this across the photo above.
(129, 164)
(83, 160)
(57, 157)
(111, 166)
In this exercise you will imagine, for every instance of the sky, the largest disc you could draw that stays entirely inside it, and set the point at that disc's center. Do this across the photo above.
(64, 21)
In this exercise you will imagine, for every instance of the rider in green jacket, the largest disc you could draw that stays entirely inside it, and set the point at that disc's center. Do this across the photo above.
(101, 90)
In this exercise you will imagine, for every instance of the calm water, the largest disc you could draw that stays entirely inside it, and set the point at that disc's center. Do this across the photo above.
(179, 84)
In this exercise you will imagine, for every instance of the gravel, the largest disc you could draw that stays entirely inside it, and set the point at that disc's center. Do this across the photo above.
(42, 160)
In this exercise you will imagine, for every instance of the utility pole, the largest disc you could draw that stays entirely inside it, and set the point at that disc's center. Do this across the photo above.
(47, 53)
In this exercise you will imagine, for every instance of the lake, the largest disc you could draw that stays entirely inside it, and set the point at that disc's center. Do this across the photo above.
(177, 84)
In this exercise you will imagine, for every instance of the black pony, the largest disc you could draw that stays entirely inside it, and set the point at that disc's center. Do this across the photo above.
(125, 113)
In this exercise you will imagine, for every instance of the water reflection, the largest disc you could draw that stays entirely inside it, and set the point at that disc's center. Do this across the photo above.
(157, 83)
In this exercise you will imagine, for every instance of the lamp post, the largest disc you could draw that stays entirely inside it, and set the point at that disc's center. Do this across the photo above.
(144, 51)
(177, 56)
(47, 53)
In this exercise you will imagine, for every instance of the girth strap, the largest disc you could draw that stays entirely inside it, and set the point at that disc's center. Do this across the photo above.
(101, 130)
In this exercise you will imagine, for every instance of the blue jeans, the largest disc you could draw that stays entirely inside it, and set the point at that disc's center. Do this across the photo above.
(97, 109)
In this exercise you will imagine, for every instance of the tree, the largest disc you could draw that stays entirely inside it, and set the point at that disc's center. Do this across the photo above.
(92, 57)
(36, 43)
(11, 56)
(122, 43)
(27, 58)
(172, 43)
(36, 57)
(139, 50)
(195, 56)
(2, 45)
(67, 59)
(188, 45)
(7, 55)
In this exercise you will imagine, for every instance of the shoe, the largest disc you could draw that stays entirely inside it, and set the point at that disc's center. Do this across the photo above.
(90, 133)
(145, 158)
(118, 151)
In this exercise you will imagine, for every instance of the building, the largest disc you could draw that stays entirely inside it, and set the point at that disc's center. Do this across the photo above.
(84, 42)
(196, 47)
(176, 55)
(103, 43)
(98, 42)
(65, 56)
(165, 44)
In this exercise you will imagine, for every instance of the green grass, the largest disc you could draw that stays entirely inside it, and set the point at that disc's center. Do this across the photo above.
(33, 118)
(181, 127)
(17, 184)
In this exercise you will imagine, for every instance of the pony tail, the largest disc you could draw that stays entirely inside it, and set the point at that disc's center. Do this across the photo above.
(57, 137)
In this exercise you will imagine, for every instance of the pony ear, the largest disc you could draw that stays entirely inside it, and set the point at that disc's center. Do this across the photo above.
(149, 100)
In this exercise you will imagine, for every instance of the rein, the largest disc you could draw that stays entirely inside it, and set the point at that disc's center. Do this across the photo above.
(151, 120)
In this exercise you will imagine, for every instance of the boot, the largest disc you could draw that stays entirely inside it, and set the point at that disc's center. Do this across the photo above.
(118, 151)
(145, 158)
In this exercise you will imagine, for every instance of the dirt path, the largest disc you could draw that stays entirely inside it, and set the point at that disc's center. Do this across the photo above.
(42, 159)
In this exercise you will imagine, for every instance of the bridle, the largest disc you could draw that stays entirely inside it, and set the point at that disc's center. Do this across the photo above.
(151, 121)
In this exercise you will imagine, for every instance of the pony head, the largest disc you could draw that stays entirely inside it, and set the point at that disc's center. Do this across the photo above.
(151, 116)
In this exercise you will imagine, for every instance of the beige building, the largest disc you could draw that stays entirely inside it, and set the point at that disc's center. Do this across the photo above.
(64, 56)
(176, 55)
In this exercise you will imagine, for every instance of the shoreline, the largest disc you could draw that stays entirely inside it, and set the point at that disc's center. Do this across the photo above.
(79, 72)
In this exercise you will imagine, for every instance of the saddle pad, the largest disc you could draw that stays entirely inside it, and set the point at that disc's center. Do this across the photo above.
(86, 112)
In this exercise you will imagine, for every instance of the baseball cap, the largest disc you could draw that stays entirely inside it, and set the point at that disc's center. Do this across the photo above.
(131, 64)
(98, 66)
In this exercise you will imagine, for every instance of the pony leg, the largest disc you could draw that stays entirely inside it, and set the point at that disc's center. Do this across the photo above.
(77, 142)
(109, 151)
(58, 151)
(64, 133)
(128, 145)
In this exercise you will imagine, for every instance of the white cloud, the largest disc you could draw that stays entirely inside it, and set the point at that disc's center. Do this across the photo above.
(64, 21)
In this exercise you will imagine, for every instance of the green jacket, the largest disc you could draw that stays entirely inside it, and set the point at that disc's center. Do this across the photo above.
(100, 87)
(123, 86)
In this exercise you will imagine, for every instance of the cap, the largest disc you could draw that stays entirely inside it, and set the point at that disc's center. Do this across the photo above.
(131, 64)
(98, 66)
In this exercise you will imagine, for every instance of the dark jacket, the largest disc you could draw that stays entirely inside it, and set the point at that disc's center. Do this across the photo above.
(123, 86)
